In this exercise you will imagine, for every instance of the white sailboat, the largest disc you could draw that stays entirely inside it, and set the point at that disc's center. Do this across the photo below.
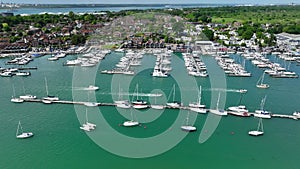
(131, 123)
(187, 127)
(21, 134)
(198, 107)
(262, 113)
(156, 106)
(27, 96)
(87, 126)
(15, 99)
(218, 111)
(260, 83)
(174, 104)
(120, 102)
(139, 103)
(259, 131)
(48, 99)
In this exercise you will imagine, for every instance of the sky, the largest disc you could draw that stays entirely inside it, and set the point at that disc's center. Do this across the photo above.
(153, 1)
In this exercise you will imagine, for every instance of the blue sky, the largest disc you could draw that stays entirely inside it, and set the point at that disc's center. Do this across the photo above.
(152, 1)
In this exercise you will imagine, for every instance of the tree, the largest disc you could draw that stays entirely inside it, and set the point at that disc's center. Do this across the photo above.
(209, 34)
(78, 39)
(5, 27)
(247, 34)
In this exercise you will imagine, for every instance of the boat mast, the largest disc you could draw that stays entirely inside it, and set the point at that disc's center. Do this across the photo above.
(262, 104)
(14, 92)
(46, 86)
(86, 116)
(218, 101)
(262, 78)
(173, 92)
(199, 95)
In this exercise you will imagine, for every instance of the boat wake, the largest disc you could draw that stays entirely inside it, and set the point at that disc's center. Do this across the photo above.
(227, 90)
(134, 94)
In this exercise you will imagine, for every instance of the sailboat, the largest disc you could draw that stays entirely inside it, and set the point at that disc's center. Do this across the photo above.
(139, 103)
(187, 127)
(122, 103)
(156, 106)
(132, 122)
(87, 126)
(15, 99)
(198, 107)
(218, 111)
(262, 113)
(259, 131)
(27, 96)
(22, 134)
(49, 98)
(174, 104)
(260, 83)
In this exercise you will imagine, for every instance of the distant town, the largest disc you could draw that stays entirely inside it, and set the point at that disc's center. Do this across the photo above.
(217, 29)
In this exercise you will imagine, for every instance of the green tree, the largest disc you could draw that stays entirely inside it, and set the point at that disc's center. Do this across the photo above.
(209, 34)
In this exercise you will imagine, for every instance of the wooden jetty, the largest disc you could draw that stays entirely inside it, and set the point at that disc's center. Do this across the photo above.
(167, 107)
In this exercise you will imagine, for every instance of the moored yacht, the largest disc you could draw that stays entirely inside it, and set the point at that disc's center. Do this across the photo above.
(240, 110)
(262, 113)
(27, 96)
(219, 111)
(297, 114)
(198, 107)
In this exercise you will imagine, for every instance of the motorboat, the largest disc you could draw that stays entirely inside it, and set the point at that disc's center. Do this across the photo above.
(91, 87)
(240, 108)
(27, 96)
(130, 123)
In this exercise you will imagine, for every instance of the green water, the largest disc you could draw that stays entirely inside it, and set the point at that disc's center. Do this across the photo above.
(59, 143)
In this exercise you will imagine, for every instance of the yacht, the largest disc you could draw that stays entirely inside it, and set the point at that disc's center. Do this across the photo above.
(22, 74)
(260, 83)
(87, 126)
(22, 135)
(124, 105)
(239, 111)
(73, 62)
(218, 111)
(91, 87)
(297, 114)
(16, 100)
(131, 123)
(49, 97)
(139, 103)
(174, 104)
(198, 107)
(28, 96)
(54, 58)
(259, 131)
(187, 127)
(6, 74)
(91, 104)
(240, 108)
(262, 113)
(157, 107)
